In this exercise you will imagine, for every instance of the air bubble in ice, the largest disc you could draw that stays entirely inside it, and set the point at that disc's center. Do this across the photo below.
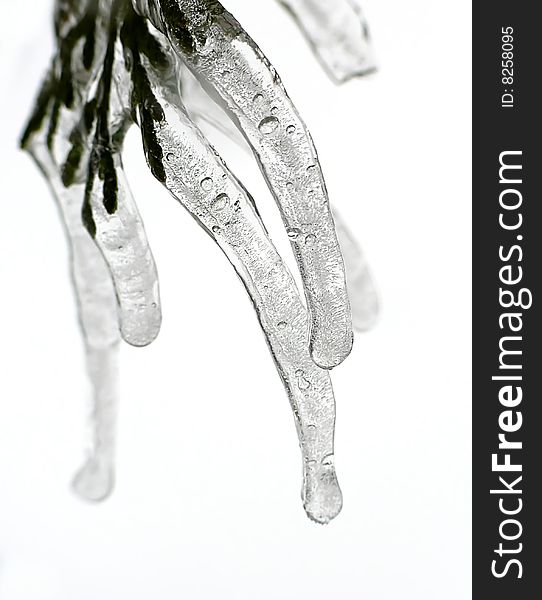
(293, 234)
(268, 125)
(206, 184)
(220, 202)
(302, 383)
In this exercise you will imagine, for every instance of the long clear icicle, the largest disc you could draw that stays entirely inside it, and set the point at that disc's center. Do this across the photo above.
(58, 138)
(195, 175)
(108, 68)
(97, 307)
(120, 234)
(234, 70)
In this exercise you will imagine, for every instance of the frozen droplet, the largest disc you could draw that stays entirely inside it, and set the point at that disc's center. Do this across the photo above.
(302, 383)
(274, 110)
(290, 129)
(170, 156)
(268, 125)
(293, 233)
(311, 168)
(206, 184)
(282, 325)
(216, 229)
(310, 239)
(289, 186)
(220, 202)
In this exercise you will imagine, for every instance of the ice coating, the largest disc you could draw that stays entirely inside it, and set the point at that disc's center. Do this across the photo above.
(234, 70)
(119, 233)
(338, 34)
(217, 200)
(360, 283)
(58, 137)
(97, 308)
(113, 68)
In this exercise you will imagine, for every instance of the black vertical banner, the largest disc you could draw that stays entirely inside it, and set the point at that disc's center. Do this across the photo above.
(507, 269)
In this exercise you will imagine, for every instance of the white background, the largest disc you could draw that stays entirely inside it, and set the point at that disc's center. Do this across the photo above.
(207, 501)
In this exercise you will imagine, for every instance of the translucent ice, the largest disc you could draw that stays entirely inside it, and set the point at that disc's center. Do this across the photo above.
(117, 63)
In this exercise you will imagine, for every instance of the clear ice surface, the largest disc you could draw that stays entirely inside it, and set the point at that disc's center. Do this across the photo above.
(235, 72)
(115, 67)
(361, 287)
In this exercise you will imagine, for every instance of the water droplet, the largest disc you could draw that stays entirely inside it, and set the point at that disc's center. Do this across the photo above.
(310, 239)
(258, 99)
(311, 168)
(170, 156)
(290, 129)
(274, 110)
(293, 233)
(302, 383)
(282, 325)
(220, 202)
(268, 125)
(216, 229)
(290, 186)
(206, 184)
(154, 305)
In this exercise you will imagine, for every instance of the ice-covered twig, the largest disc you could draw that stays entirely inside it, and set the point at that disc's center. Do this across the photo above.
(113, 68)
(196, 176)
(234, 70)
(59, 138)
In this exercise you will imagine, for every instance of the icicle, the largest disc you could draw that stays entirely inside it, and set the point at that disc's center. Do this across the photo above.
(98, 318)
(114, 219)
(229, 64)
(214, 196)
(58, 137)
(338, 34)
(110, 69)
